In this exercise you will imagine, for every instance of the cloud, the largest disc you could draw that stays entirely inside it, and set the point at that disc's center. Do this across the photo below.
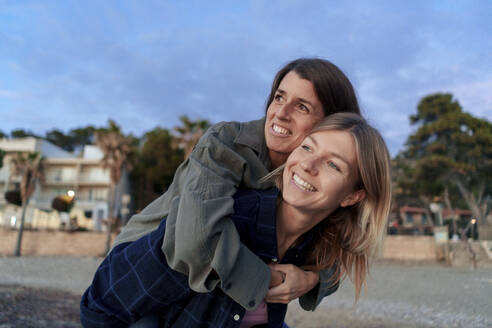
(65, 64)
(475, 97)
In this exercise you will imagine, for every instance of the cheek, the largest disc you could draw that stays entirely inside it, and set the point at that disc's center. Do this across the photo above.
(304, 127)
(270, 111)
(285, 177)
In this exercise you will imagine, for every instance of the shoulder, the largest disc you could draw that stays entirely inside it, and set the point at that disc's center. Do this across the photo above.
(224, 132)
(246, 133)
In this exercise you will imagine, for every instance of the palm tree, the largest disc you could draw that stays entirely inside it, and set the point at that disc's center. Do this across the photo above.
(30, 167)
(2, 155)
(115, 148)
(189, 133)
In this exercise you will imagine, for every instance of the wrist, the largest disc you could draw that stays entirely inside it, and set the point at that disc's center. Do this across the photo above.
(313, 278)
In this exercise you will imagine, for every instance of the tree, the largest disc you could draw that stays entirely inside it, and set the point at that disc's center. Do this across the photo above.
(3, 135)
(452, 148)
(60, 139)
(154, 166)
(75, 138)
(2, 156)
(189, 133)
(21, 133)
(30, 168)
(116, 149)
(82, 136)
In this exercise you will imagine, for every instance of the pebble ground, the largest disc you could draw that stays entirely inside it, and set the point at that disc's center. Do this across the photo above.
(44, 292)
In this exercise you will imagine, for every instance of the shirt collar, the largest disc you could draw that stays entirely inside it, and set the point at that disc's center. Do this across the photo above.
(267, 230)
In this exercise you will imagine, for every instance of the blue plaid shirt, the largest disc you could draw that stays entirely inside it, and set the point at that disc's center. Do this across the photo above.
(134, 280)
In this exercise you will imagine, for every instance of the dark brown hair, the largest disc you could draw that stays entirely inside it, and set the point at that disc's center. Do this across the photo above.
(333, 88)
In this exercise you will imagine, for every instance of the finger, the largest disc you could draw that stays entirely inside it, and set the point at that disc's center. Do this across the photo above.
(278, 292)
(282, 301)
(278, 299)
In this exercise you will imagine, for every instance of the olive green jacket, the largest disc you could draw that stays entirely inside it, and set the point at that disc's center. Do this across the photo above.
(200, 237)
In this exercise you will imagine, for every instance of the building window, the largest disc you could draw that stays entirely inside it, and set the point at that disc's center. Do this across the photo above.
(409, 218)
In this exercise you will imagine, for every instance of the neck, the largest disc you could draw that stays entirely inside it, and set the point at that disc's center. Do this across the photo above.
(277, 158)
(292, 223)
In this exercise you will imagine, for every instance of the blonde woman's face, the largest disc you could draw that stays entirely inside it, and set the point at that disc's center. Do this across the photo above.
(320, 174)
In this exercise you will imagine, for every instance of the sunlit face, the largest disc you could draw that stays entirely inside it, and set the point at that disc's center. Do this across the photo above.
(292, 114)
(320, 174)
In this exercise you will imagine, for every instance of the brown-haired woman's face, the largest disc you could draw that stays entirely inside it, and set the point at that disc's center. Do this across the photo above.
(294, 111)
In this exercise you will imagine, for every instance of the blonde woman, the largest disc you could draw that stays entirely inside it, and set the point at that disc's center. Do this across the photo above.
(331, 213)
(350, 233)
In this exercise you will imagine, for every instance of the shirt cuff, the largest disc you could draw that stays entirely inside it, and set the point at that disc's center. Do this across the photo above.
(249, 280)
(311, 299)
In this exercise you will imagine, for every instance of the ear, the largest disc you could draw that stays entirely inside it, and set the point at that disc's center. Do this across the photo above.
(353, 198)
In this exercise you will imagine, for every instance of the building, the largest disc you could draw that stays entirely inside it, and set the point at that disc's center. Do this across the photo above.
(81, 175)
(417, 220)
(414, 220)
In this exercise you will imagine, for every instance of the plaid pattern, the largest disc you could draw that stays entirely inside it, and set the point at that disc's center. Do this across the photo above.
(134, 279)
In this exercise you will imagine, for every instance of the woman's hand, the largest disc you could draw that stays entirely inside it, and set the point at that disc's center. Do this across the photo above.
(297, 283)
(278, 278)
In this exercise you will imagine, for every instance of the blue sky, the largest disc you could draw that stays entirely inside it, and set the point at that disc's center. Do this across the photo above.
(67, 64)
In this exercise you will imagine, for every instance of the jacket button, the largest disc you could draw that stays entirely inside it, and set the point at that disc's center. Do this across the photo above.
(236, 317)
(252, 303)
(275, 260)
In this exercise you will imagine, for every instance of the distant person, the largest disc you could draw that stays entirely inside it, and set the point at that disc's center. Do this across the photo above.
(331, 214)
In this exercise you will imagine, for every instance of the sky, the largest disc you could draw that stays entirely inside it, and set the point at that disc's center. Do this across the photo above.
(68, 64)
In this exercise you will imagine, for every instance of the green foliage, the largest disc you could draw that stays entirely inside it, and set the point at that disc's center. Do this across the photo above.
(3, 135)
(2, 156)
(450, 148)
(21, 133)
(154, 166)
(76, 138)
(60, 139)
(82, 136)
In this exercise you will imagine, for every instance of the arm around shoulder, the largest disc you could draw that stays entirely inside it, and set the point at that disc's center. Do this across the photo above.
(201, 240)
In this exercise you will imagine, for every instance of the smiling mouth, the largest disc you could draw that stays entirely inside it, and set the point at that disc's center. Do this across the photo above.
(303, 184)
(280, 130)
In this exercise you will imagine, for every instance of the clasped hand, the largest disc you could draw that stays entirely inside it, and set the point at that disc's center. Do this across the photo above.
(297, 282)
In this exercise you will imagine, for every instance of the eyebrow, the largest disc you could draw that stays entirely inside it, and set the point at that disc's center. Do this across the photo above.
(313, 140)
(301, 99)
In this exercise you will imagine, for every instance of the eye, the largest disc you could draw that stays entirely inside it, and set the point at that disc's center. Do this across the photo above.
(306, 147)
(334, 166)
(303, 108)
(278, 97)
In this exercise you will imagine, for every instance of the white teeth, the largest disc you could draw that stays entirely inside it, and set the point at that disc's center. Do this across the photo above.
(280, 130)
(303, 184)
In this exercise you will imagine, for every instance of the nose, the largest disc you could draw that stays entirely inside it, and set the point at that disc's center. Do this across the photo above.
(309, 165)
(283, 112)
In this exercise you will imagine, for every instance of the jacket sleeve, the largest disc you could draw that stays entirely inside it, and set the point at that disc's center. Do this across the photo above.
(311, 299)
(201, 240)
(133, 280)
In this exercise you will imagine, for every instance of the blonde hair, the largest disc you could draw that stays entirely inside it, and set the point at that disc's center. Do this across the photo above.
(351, 237)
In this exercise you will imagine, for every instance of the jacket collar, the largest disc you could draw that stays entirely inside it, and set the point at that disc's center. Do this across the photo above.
(252, 135)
